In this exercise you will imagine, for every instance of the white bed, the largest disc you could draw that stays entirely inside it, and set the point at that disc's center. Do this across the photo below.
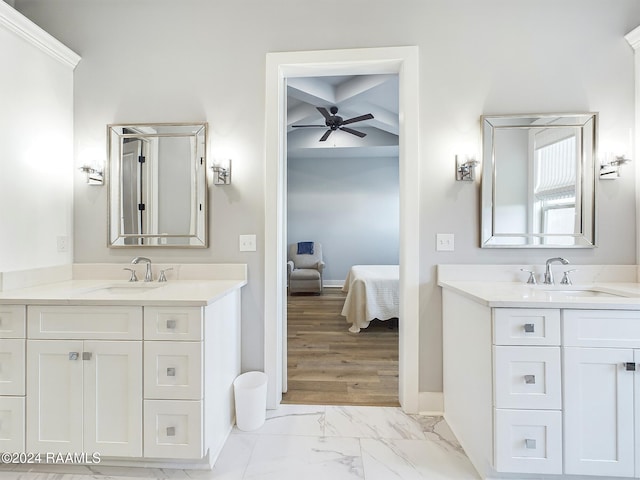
(373, 291)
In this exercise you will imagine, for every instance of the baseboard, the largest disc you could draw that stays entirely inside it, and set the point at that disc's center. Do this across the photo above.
(333, 283)
(431, 403)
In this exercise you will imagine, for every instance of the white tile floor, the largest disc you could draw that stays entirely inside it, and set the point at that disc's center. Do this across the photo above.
(311, 443)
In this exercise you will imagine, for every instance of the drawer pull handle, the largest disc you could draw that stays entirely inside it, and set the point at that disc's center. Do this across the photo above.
(530, 379)
(630, 366)
(86, 355)
(74, 355)
(529, 328)
(171, 324)
(171, 372)
(171, 431)
(529, 443)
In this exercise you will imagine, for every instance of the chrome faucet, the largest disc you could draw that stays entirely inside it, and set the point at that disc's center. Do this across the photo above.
(148, 276)
(548, 274)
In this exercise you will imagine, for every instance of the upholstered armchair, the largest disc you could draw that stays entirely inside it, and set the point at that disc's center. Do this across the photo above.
(304, 268)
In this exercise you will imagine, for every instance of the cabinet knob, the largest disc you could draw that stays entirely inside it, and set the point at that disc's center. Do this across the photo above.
(529, 327)
(529, 443)
(171, 372)
(171, 431)
(74, 355)
(171, 324)
(86, 355)
(530, 379)
(630, 367)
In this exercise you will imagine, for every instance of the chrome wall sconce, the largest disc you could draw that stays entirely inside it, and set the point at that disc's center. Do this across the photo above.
(222, 172)
(94, 176)
(610, 168)
(466, 168)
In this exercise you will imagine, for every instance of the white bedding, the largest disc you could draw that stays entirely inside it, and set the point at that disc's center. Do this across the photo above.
(373, 291)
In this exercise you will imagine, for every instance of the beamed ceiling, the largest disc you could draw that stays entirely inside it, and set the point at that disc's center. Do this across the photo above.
(354, 96)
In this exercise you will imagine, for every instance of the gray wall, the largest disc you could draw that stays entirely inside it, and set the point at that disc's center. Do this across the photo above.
(349, 205)
(194, 60)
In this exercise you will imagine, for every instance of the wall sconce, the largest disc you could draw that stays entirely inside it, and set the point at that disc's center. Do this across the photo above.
(222, 171)
(94, 176)
(610, 169)
(466, 170)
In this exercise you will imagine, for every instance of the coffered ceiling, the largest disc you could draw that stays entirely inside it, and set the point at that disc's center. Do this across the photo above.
(354, 96)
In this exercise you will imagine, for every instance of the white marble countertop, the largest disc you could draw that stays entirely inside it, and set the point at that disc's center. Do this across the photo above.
(601, 295)
(122, 292)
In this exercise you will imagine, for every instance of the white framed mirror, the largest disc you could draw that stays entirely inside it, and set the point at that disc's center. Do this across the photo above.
(157, 185)
(539, 180)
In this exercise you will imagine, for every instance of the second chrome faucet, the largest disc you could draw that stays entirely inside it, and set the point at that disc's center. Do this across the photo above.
(548, 274)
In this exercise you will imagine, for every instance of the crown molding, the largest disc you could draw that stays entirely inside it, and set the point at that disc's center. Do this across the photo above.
(17, 23)
(633, 37)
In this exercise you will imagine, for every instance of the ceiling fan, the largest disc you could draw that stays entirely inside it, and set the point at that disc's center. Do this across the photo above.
(336, 122)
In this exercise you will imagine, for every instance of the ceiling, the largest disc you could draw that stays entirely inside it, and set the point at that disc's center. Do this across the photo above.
(354, 95)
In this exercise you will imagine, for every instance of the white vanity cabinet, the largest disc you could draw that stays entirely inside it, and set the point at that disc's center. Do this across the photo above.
(84, 380)
(12, 377)
(601, 383)
(543, 390)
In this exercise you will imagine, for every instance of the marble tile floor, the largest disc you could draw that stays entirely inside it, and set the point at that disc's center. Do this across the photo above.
(311, 443)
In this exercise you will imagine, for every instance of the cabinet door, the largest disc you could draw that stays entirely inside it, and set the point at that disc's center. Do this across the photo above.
(54, 396)
(598, 412)
(12, 366)
(113, 398)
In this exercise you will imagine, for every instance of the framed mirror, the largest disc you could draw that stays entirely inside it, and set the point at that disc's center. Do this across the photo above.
(539, 180)
(157, 185)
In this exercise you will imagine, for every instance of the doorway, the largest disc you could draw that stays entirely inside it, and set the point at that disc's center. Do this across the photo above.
(402, 61)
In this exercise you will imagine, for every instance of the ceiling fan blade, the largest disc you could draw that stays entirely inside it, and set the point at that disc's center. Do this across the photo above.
(326, 135)
(298, 126)
(353, 132)
(325, 113)
(368, 116)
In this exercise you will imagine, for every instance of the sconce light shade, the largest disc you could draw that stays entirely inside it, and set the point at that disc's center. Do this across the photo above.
(222, 172)
(94, 176)
(610, 168)
(466, 168)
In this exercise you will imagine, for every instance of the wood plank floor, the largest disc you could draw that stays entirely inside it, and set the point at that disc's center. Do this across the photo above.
(328, 365)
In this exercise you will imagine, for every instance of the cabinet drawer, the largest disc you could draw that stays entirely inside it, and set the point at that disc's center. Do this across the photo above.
(173, 429)
(601, 328)
(90, 322)
(527, 377)
(12, 321)
(173, 370)
(173, 323)
(526, 326)
(12, 424)
(12, 363)
(528, 441)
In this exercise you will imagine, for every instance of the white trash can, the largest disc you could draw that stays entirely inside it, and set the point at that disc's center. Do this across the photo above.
(250, 390)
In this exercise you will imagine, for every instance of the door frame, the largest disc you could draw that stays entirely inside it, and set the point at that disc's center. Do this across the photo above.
(402, 61)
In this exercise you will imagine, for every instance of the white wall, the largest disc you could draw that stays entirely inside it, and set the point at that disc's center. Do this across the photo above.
(349, 205)
(36, 154)
(195, 60)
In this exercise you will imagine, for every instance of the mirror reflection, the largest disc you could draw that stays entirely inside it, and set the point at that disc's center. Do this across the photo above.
(538, 180)
(157, 185)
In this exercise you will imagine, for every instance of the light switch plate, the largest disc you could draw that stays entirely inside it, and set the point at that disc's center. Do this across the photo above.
(445, 242)
(247, 243)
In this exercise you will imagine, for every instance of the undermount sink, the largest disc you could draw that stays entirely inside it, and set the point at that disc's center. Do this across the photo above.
(125, 288)
(580, 292)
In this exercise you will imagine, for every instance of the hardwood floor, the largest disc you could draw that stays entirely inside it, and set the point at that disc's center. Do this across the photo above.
(328, 365)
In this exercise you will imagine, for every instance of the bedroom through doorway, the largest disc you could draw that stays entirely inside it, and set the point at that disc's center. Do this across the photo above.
(342, 191)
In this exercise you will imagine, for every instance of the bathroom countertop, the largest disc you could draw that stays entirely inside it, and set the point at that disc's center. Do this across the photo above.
(114, 292)
(623, 296)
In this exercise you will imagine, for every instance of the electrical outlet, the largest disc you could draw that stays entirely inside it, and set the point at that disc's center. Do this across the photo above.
(445, 242)
(62, 242)
(247, 243)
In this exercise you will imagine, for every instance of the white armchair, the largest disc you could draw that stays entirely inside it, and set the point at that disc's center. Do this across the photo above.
(304, 270)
